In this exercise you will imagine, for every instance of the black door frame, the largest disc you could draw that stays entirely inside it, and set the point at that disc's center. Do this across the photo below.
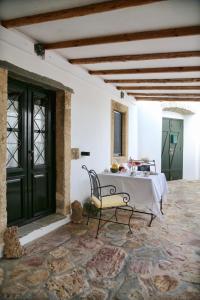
(24, 174)
(167, 140)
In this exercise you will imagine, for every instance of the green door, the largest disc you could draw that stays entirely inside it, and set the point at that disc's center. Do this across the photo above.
(172, 148)
(30, 153)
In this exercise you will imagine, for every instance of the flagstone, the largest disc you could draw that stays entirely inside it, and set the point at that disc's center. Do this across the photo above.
(89, 243)
(34, 261)
(59, 252)
(60, 265)
(158, 263)
(193, 277)
(19, 271)
(39, 295)
(131, 290)
(176, 254)
(107, 263)
(37, 277)
(96, 294)
(165, 283)
(68, 285)
(142, 267)
(14, 291)
(164, 264)
(133, 244)
(155, 253)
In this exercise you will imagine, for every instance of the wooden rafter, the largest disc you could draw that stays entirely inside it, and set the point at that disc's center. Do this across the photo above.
(126, 37)
(164, 80)
(74, 12)
(164, 95)
(159, 87)
(135, 57)
(167, 99)
(145, 70)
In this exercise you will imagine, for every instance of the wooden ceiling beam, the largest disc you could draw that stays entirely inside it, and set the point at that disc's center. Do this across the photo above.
(163, 95)
(145, 70)
(75, 12)
(168, 99)
(159, 87)
(126, 37)
(135, 57)
(164, 80)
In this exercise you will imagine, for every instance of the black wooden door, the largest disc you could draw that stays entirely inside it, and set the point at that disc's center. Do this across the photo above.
(30, 153)
(172, 148)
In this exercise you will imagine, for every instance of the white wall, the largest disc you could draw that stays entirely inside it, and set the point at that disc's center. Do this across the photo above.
(150, 131)
(191, 152)
(91, 106)
(149, 124)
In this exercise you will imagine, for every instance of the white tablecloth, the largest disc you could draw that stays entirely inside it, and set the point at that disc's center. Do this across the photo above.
(145, 192)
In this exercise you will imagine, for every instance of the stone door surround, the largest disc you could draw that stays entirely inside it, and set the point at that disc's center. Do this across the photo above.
(63, 138)
(116, 106)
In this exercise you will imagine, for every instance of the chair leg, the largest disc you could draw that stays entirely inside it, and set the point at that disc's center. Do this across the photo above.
(98, 224)
(88, 218)
(116, 214)
(152, 218)
(132, 211)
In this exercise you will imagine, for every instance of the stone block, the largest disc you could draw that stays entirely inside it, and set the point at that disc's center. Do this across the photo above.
(12, 247)
(3, 139)
(77, 212)
(75, 153)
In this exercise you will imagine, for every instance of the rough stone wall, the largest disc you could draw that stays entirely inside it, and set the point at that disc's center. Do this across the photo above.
(63, 151)
(3, 136)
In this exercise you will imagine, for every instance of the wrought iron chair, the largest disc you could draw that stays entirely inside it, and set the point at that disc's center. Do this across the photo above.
(112, 200)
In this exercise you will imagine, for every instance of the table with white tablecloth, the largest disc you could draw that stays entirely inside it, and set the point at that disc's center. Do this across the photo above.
(146, 192)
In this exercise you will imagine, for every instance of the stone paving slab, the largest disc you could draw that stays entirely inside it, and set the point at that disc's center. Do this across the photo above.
(158, 263)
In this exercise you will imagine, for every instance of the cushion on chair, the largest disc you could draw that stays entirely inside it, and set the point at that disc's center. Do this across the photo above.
(108, 201)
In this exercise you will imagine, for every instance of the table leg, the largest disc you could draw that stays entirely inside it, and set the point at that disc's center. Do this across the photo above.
(152, 218)
(161, 206)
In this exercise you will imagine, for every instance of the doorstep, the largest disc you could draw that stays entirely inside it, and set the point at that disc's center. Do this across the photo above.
(41, 227)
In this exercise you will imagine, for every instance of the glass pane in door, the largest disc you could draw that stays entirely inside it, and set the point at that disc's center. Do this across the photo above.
(13, 141)
(39, 127)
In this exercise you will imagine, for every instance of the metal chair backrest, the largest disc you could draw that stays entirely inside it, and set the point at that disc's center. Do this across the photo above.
(94, 182)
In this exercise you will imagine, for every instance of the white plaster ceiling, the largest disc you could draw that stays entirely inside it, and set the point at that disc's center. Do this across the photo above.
(177, 13)
(155, 16)
(189, 43)
(19, 8)
(175, 62)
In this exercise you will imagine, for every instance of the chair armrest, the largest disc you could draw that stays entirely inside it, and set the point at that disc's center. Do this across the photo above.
(112, 188)
(126, 196)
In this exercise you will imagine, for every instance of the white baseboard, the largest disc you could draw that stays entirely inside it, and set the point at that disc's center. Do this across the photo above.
(43, 231)
(40, 232)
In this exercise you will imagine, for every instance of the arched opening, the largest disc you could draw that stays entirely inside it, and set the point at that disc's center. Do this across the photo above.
(179, 110)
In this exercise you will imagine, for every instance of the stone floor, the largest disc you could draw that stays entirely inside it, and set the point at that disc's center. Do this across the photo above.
(158, 263)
